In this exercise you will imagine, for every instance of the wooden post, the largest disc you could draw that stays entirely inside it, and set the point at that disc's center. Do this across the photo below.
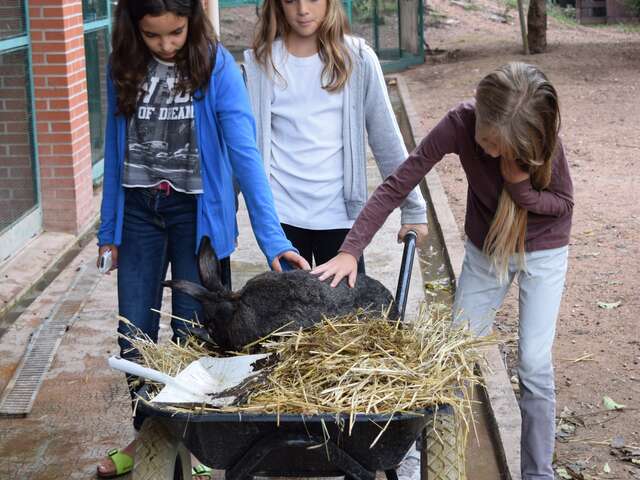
(409, 38)
(523, 28)
(213, 10)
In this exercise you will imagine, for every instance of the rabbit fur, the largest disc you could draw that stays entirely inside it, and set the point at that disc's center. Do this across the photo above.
(273, 300)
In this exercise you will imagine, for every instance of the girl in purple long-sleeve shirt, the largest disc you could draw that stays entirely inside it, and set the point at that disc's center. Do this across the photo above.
(518, 221)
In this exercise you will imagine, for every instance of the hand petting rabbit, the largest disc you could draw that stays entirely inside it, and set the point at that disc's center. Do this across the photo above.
(272, 300)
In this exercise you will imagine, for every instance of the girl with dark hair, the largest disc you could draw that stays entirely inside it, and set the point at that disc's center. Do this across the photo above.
(179, 129)
(518, 221)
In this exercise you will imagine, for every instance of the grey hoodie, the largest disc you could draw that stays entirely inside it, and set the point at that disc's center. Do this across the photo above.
(366, 104)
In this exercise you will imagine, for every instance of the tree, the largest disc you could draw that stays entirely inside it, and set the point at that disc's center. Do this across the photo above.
(537, 26)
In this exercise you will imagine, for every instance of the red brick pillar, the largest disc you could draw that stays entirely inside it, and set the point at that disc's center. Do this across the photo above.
(64, 152)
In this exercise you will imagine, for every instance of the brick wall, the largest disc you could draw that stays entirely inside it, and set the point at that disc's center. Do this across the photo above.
(17, 192)
(64, 152)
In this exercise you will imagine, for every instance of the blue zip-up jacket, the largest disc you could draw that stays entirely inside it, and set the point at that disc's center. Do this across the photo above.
(227, 141)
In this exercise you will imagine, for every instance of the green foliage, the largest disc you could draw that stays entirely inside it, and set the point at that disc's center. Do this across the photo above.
(362, 10)
(511, 4)
(565, 15)
(634, 5)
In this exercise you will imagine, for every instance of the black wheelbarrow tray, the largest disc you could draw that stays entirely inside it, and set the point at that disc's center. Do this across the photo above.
(299, 445)
(293, 444)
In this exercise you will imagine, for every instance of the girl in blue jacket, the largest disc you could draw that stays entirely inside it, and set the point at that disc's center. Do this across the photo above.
(179, 129)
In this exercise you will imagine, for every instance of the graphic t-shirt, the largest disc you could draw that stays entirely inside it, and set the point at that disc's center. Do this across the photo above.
(162, 142)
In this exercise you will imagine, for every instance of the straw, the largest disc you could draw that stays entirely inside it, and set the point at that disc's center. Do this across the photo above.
(352, 364)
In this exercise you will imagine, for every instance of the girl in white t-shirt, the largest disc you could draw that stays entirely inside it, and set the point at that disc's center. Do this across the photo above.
(314, 91)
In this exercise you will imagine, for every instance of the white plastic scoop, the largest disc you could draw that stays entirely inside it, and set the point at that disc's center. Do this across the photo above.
(204, 381)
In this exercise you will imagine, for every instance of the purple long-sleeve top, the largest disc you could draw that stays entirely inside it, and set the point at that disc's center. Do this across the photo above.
(549, 210)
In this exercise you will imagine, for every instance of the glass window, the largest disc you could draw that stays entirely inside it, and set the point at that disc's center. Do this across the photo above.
(97, 55)
(17, 175)
(94, 10)
(11, 18)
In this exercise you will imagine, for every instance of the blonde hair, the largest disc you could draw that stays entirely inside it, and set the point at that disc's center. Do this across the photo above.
(520, 104)
(332, 50)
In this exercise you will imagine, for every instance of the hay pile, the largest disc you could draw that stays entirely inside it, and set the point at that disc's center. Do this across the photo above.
(357, 364)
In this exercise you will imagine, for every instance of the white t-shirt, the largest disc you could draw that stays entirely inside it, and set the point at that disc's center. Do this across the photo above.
(307, 171)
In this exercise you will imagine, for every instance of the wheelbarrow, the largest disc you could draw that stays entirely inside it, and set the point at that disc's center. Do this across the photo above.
(245, 445)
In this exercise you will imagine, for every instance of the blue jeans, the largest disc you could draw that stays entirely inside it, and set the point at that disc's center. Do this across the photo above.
(479, 295)
(158, 230)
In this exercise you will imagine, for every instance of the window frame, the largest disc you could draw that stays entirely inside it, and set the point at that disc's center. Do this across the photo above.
(29, 224)
(97, 169)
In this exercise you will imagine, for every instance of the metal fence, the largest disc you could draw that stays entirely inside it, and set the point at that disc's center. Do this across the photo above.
(377, 21)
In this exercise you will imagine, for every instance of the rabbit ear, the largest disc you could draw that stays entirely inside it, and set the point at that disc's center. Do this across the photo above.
(193, 289)
(209, 266)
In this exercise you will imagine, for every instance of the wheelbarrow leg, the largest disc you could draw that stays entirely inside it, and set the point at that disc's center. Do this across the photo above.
(156, 454)
(424, 456)
(391, 474)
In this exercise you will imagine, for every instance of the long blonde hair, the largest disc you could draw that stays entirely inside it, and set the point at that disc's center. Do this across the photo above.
(332, 50)
(519, 102)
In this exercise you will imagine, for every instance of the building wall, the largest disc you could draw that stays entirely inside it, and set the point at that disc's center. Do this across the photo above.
(619, 11)
(603, 11)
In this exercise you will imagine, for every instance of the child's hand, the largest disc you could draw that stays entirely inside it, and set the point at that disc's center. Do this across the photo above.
(421, 230)
(511, 171)
(340, 266)
(293, 258)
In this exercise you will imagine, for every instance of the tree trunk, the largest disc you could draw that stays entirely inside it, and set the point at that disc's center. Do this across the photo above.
(537, 26)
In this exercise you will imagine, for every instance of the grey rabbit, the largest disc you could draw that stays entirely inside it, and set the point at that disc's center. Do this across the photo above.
(272, 300)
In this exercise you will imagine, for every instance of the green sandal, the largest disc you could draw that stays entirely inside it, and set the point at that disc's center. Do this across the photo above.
(122, 462)
(202, 471)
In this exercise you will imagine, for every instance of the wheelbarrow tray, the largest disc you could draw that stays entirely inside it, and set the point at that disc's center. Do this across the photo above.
(292, 445)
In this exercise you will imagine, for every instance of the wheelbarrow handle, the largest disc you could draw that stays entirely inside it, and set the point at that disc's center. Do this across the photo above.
(404, 279)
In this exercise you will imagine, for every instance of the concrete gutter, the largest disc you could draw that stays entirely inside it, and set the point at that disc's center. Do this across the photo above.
(501, 401)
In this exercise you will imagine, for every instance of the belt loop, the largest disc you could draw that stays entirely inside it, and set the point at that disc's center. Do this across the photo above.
(164, 187)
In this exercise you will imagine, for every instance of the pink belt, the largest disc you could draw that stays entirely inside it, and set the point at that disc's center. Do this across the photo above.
(164, 187)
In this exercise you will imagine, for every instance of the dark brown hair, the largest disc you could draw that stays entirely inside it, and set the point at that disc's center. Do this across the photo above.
(130, 56)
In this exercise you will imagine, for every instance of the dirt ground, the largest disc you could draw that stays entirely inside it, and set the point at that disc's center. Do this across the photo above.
(597, 73)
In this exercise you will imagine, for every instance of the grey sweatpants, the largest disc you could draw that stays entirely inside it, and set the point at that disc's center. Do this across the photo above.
(479, 295)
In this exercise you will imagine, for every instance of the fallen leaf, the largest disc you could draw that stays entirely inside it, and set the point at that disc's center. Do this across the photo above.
(567, 428)
(609, 404)
(609, 306)
(576, 473)
(562, 473)
(606, 468)
(617, 441)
